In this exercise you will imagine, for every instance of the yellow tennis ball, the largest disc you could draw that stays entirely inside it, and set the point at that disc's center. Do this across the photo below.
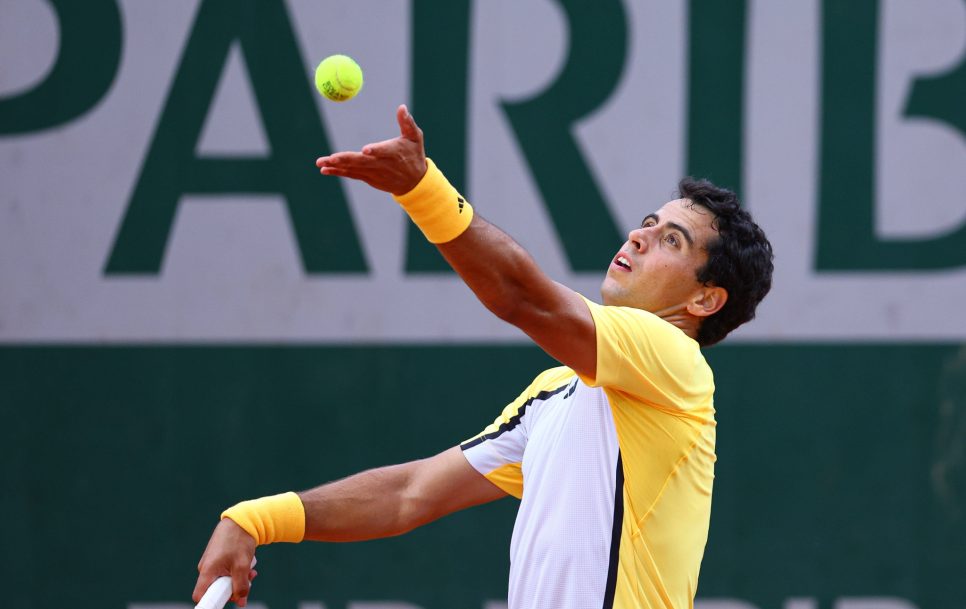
(338, 77)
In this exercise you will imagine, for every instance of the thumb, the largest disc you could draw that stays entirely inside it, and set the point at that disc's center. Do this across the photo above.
(407, 125)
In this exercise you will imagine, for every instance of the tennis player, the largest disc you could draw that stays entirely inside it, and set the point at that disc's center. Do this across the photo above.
(611, 455)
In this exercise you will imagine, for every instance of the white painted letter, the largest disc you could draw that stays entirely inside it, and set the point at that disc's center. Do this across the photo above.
(874, 602)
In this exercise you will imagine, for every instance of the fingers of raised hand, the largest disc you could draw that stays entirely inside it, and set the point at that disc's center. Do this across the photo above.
(407, 125)
(346, 164)
(385, 149)
(344, 159)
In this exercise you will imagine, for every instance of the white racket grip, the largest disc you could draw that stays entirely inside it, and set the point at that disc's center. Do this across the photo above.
(218, 593)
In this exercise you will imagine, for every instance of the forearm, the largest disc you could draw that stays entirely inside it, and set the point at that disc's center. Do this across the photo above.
(502, 274)
(504, 277)
(498, 270)
(367, 505)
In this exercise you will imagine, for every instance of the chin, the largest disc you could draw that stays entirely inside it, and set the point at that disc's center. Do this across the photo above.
(607, 292)
(612, 295)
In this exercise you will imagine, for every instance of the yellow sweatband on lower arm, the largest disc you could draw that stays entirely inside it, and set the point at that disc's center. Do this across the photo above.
(438, 209)
(270, 519)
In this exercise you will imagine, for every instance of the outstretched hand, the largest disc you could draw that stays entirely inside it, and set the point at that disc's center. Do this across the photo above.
(395, 165)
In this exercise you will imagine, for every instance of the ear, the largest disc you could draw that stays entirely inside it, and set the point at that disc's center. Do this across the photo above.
(708, 301)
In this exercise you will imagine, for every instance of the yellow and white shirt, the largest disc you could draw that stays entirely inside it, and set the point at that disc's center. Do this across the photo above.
(614, 473)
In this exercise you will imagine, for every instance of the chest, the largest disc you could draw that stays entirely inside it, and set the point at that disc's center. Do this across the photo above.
(570, 437)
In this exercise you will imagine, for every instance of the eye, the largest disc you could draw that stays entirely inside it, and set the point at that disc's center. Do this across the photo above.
(648, 223)
(672, 240)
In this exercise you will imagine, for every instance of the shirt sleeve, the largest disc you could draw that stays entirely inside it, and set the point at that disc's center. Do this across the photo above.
(497, 451)
(640, 354)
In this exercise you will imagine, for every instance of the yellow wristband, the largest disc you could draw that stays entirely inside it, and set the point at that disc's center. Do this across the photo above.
(270, 519)
(438, 209)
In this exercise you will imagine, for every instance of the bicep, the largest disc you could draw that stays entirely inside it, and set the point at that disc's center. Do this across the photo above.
(559, 321)
(447, 483)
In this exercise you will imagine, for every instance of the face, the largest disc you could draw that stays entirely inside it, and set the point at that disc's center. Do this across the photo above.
(656, 268)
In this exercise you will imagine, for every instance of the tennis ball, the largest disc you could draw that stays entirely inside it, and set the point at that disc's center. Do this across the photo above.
(338, 78)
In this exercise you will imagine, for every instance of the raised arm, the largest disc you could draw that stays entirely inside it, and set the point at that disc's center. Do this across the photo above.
(377, 503)
(500, 272)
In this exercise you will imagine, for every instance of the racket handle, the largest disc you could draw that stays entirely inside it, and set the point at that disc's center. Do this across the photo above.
(218, 593)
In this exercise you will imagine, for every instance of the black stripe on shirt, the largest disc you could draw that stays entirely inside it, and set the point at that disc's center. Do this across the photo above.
(515, 419)
(615, 536)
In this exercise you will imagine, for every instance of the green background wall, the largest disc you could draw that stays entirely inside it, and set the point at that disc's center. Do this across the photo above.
(121, 458)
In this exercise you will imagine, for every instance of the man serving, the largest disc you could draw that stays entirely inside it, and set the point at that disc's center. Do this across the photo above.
(611, 454)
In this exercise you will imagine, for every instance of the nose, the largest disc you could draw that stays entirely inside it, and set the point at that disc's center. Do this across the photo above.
(637, 239)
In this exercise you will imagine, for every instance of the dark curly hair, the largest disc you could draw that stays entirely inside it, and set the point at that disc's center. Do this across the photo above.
(739, 259)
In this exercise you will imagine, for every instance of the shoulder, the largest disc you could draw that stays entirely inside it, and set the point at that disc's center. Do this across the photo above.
(550, 380)
(647, 357)
(636, 333)
(639, 321)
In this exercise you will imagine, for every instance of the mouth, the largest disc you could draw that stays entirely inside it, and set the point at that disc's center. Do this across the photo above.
(622, 262)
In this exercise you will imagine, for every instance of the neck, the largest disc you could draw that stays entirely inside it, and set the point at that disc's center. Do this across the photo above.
(679, 317)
